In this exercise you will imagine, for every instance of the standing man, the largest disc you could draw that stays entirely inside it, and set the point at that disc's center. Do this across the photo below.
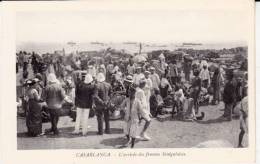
(110, 68)
(155, 78)
(205, 76)
(84, 95)
(101, 100)
(128, 84)
(92, 71)
(173, 73)
(145, 114)
(130, 68)
(25, 61)
(138, 76)
(187, 69)
(34, 63)
(195, 90)
(54, 97)
(229, 96)
(163, 65)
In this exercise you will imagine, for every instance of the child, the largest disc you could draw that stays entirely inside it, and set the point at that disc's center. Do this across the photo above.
(132, 116)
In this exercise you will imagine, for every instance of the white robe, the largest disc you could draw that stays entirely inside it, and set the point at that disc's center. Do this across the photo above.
(147, 91)
(137, 78)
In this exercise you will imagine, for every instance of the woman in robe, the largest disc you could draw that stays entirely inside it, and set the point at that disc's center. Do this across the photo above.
(33, 117)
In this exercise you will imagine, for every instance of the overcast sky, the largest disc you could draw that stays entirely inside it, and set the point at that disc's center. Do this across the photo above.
(141, 26)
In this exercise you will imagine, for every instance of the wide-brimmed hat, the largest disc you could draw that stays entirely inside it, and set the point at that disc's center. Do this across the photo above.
(100, 77)
(52, 78)
(129, 79)
(88, 79)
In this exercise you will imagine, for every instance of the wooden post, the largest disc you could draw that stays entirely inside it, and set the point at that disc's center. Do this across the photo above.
(140, 48)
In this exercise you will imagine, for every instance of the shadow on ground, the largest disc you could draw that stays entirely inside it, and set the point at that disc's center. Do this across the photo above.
(212, 121)
(216, 120)
(67, 133)
(114, 142)
(118, 142)
(170, 118)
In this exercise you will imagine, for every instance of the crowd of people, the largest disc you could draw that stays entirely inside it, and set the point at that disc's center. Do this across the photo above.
(147, 91)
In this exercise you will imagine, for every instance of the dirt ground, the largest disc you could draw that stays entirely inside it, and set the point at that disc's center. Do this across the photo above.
(164, 131)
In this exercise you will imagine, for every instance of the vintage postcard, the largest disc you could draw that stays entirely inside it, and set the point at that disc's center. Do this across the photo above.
(128, 81)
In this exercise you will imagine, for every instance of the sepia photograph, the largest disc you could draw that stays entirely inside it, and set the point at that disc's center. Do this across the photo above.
(117, 79)
(134, 81)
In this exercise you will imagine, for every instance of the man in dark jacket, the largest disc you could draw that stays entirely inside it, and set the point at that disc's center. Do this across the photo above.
(84, 95)
(229, 96)
(101, 100)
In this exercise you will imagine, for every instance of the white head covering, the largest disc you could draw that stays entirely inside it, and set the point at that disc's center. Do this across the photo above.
(103, 66)
(88, 79)
(101, 77)
(164, 82)
(146, 72)
(152, 68)
(204, 63)
(52, 78)
(36, 80)
(180, 94)
(161, 56)
(116, 68)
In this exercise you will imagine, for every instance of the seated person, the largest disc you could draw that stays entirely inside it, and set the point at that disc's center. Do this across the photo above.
(156, 103)
(183, 107)
(178, 102)
(165, 87)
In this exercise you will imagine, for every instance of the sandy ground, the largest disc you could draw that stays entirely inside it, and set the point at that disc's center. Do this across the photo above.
(164, 131)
